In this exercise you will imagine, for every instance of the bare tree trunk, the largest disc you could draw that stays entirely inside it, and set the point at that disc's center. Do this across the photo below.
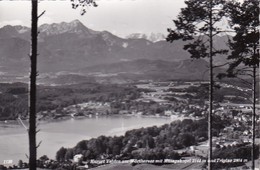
(254, 107)
(210, 87)
(253, 118)
(33, 74)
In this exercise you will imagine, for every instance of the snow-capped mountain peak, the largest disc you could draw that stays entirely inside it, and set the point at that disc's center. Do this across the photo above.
(21, 29)
(154, 37)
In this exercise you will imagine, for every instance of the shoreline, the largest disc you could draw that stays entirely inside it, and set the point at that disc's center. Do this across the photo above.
(54, 135)
(68, 117)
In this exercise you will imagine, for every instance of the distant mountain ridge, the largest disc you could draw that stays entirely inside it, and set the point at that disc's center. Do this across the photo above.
(67, 46)
(196, 69)
(72, 46)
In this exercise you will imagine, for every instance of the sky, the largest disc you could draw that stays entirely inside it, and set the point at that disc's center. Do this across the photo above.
(120, 17)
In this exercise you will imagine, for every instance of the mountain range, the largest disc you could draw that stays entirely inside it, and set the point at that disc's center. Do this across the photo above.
(187, 69)
(154, 37)
(74, 47)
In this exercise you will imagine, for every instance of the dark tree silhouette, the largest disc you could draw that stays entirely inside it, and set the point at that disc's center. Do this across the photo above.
(33, 75)
(244, 19)
(197, 24)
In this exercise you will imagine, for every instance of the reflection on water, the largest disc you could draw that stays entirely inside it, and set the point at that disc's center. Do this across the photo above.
(55, 134)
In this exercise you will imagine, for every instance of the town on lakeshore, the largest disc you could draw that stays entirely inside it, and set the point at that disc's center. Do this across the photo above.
(175, 100)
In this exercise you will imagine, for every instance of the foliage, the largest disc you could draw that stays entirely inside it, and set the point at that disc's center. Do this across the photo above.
(202, 92)
(245, 43)
(240, 152)
(83, 4)
(244, 19)
(61, 154)
(145, 143)
(193, 25)
(14, 98)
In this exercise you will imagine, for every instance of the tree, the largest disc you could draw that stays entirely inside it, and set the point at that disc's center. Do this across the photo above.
(44, 158)
(186, 139)
(82, 4)
(20, 164)
(244, 19)
(69, 154)
(60, 155)
(33, 74)
(197, 24)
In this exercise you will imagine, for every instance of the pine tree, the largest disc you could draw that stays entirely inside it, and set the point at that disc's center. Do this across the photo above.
(244, 19)
(197, 24)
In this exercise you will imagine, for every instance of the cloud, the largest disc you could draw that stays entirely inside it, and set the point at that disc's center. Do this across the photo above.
(44, 20)
(11, 22)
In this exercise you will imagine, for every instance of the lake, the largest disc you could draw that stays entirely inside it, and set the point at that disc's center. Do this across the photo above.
(67, 133)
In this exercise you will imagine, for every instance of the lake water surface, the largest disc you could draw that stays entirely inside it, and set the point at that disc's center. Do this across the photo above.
(67, 133)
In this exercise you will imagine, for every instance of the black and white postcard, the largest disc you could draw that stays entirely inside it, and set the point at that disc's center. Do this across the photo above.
(129, 84)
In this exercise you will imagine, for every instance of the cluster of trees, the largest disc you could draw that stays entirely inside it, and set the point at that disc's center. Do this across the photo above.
(54, 97)
(146, 143)
(14, 97)
(241, 153)
(13, 100)
(202, 92)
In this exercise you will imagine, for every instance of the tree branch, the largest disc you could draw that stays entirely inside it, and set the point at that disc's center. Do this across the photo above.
(244, 81)
(245, 74)
(38, 131)
(41, 14)
(223, 31)
(245, 69)
(215, 66)
(39, 144)
(21, 121)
